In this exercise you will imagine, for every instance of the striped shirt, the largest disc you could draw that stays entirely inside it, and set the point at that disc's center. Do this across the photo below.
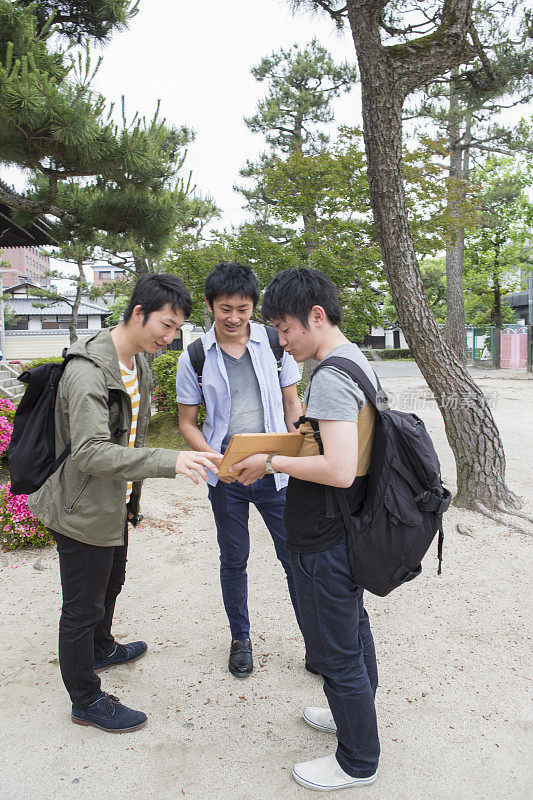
(129, 379)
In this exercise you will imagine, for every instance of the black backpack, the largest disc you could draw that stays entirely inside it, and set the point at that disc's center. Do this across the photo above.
(197, 353)
(405, 498)
(32, 451)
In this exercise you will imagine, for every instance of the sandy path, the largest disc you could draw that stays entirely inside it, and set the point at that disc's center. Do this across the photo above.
(454, 701)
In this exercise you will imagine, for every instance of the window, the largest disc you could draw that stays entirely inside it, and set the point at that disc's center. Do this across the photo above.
(20, 323)
(50, 323)
(64, 322)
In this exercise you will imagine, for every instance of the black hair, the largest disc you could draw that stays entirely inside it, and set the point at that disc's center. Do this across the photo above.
(296, 291)
(154, 291)
(230, 278)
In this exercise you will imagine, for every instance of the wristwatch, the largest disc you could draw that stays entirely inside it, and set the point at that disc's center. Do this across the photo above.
(269, 469)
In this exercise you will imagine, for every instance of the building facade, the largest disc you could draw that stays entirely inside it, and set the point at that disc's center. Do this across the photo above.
(25, 264)
(108, 274)
(35, 332)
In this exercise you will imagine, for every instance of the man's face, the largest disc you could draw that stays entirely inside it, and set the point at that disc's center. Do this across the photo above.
(297, 340)
(232, 314)
(159, 328)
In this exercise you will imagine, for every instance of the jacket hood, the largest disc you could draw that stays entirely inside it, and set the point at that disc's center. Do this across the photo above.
(99, 348)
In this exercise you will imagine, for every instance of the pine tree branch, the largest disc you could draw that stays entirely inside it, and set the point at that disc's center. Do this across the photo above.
(481, 53)
(13, 200)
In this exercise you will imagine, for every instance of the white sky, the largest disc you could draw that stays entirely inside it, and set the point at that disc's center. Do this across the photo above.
(196, 58)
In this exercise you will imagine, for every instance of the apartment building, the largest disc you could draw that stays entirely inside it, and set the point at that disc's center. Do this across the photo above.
(25, 264)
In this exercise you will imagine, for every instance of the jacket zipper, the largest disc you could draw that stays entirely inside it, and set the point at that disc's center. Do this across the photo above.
(68, 509)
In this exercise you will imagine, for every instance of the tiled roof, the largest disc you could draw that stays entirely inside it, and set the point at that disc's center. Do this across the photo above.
(25, 306)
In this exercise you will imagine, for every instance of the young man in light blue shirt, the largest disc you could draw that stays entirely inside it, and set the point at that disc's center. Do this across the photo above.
(243, 393)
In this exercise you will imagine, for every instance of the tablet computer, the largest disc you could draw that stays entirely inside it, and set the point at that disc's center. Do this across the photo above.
(243, 445)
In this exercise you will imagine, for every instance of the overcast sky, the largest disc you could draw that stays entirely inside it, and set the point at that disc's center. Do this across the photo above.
(196, 58)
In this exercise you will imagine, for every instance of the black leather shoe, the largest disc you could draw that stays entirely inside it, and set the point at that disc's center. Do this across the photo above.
(240, 658)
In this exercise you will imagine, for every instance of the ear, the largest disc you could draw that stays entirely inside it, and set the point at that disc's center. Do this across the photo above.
(138, 314)
(209, 308)
(317, 316)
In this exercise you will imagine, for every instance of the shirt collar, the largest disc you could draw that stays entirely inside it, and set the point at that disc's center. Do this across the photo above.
(255, 334)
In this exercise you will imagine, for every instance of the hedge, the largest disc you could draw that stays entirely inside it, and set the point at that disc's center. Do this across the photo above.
(395, 353)
(164, 369)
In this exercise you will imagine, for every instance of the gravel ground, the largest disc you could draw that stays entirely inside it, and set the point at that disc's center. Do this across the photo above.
(454, 654)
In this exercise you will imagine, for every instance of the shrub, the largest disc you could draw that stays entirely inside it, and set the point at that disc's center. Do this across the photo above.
(395, 353)
(164, 369)
(160, 400)
(301, 387)
(7, 412)
(18, 525)
(36, 362)
(7, 409)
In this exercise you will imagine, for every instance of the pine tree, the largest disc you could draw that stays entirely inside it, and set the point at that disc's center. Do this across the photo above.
(468, 107)
(499, 245)
(301, 84)
(441, 38)
(90, 173)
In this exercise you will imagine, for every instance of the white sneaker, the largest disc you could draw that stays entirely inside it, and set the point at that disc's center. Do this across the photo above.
(320, 718)
(325, 775)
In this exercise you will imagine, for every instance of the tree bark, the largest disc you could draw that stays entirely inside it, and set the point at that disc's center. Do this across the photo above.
(73, 322)
(387, 76)
(455, 303)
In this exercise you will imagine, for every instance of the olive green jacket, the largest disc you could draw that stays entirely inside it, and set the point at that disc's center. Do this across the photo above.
(85, 498)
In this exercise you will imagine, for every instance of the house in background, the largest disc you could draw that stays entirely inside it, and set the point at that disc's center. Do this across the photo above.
(33, 332)
(103, 275)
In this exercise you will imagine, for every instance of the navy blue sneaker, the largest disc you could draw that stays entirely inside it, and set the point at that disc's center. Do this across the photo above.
(122, 654)
(108, 714)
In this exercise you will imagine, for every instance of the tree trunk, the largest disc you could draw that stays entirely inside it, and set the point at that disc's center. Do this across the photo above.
(308, 368)
(141, 265)
(73, 322)
(470, 427)
(455, 248)
(497, 310)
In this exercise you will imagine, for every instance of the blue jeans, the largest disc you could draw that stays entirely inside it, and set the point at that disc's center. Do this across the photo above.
(340, 646)
(230, 503)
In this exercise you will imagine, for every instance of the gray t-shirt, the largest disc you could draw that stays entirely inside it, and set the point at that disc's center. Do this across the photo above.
(334, 395)
(247, 413)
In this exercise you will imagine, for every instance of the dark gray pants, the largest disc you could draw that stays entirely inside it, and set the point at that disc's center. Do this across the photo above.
(340, 646)
(91, 579)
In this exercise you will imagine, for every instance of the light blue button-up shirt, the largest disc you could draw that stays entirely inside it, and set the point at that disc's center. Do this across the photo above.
(217, 397)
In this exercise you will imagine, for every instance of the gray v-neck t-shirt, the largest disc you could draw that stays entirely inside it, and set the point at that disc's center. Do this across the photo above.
(247, 413)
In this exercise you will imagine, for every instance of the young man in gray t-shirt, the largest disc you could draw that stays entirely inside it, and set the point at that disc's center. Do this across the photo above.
(303, 306)
(243, 393)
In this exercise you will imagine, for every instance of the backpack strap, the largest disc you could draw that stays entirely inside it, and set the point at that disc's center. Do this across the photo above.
(197, 356)
(277, 349)
(376, 397)
(115, 396)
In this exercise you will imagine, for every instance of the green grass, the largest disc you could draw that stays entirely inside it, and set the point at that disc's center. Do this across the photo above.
(163, 432)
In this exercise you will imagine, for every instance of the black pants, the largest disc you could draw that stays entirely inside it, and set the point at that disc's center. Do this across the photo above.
(91, 580)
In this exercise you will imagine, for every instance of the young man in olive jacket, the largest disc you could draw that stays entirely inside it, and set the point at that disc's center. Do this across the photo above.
(103, 410)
